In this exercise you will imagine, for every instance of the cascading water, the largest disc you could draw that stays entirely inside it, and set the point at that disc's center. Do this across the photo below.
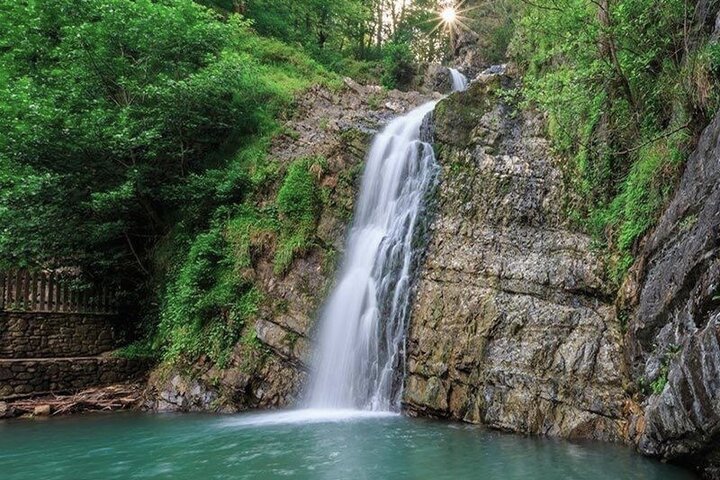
(361, 350)
(459, 81)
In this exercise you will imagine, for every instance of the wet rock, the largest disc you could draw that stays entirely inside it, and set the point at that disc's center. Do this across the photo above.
(438, 79)
(495, 70)
(674, 330)
(180, 394)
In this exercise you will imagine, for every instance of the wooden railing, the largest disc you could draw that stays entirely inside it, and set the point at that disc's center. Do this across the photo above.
(24, 291)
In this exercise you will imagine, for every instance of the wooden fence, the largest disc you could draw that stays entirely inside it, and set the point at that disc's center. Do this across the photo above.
(25, 291)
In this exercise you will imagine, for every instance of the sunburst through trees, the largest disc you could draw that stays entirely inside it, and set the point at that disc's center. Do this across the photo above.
(451, 20)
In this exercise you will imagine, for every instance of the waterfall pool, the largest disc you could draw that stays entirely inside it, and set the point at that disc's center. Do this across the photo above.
(300, 445)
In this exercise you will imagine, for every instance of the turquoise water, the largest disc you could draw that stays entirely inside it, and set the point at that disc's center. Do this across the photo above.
(253, 446)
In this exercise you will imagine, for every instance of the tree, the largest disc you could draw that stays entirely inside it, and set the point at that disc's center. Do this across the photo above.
(108, 109)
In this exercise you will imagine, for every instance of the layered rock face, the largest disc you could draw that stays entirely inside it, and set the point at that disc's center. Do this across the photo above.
(268, 367)
(673, 340)
(512, 326)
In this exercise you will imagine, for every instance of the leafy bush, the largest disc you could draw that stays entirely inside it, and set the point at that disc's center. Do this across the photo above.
(298, 203)
(399, 65)
(207, 303)
(114, 107)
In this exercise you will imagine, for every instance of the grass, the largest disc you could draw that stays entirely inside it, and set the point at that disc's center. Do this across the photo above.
(642, 196)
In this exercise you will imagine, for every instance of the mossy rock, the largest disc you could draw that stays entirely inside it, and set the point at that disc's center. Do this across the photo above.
(457, 115)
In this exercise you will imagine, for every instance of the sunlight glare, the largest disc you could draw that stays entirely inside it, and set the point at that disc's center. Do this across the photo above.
(449, 15)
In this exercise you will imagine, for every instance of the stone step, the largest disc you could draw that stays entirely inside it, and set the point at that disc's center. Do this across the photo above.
(36, 376)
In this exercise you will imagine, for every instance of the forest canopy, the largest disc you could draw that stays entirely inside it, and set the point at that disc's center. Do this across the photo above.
(113, 109)
(110, 109)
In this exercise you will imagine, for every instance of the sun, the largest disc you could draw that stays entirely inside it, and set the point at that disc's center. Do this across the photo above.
(450, 18)
(449, 15)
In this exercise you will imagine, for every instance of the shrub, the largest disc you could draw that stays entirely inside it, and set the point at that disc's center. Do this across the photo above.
(399, 66)
(207, 304)
(298, 202)
(623, 104)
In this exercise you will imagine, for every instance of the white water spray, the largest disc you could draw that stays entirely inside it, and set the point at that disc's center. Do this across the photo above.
(361, 350)
(459, 81)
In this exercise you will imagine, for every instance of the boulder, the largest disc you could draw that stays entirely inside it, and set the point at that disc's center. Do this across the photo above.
(438, 79)
(42, 411)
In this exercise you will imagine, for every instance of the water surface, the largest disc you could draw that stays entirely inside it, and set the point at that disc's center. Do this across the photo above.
(300, 446)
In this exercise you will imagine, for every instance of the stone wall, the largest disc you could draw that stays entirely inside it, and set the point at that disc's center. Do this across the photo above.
(38, 376)
(41, 335)
(42, 352)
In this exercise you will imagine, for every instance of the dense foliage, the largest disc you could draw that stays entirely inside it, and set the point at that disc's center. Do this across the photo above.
(356, 38)
(135, 146)
(99, 117)
(627, 85)
(134, 140)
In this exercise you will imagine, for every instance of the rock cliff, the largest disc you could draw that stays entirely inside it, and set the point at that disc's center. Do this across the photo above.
(512, 325)
(673, 296)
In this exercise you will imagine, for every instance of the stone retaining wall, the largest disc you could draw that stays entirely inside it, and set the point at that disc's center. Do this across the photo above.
(37, 376)
(43, 335)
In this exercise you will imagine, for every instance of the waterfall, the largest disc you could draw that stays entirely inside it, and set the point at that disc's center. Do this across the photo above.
(361, 346)
(459, 81)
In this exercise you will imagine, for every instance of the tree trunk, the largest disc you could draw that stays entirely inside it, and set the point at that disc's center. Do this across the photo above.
(608, 49)
(379, 32)
(239, 6)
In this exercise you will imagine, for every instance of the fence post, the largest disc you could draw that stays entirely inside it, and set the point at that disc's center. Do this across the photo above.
(26, 291)
(33, 291)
